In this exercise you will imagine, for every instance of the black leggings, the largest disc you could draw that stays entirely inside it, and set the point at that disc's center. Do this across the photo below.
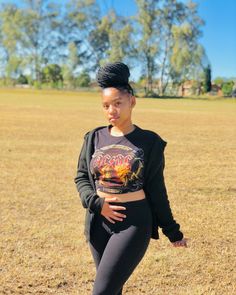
(118, 248)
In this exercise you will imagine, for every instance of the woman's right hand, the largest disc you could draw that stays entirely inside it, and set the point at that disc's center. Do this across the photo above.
(110, 211)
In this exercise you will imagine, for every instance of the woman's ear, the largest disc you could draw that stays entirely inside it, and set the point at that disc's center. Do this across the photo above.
(132, 101)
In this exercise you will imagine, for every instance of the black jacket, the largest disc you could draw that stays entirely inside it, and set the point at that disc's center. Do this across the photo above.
(154, 184)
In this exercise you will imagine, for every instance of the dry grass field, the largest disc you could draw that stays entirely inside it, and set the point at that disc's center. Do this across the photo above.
(42, 246)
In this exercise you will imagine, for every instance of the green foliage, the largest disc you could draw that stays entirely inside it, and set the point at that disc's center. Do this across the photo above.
(28, 34)
(10, 28)
(219, 81)
(148, 46)
(207, 79)
(83, 80)
(162, 37)
(181, 53)
(186, 53)
(22, 79)
(168, 47)
(119, 38)
(52, 74)
(13, 66)
(227, 88)
(73, 57)
(30, 80)
(37, 85)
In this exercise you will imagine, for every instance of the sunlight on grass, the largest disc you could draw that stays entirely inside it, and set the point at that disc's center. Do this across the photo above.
(43, 249)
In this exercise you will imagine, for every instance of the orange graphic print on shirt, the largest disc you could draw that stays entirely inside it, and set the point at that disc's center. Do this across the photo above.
(118, 168)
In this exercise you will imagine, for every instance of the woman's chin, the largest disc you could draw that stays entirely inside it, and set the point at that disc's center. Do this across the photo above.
(113, 122)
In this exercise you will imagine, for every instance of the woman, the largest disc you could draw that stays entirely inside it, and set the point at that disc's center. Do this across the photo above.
(121, 184)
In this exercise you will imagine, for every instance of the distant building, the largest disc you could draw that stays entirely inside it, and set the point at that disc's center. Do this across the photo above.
(190, 87)
(216, 90)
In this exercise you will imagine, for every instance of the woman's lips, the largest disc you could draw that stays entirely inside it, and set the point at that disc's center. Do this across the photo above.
(113, 118)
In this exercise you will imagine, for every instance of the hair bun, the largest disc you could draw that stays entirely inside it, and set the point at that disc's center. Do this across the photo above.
(113, 75)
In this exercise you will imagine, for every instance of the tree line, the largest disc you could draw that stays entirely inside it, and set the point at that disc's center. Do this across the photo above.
(62, 44)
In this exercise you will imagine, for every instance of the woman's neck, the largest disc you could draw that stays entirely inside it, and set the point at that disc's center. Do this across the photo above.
(121, 130)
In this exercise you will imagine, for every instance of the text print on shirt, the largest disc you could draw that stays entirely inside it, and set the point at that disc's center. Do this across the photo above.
(118, 168)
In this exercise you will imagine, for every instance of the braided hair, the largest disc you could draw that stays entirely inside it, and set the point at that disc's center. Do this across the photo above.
(114, 75)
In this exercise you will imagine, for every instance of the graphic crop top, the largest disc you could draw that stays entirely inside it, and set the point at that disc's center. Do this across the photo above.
(117, 164)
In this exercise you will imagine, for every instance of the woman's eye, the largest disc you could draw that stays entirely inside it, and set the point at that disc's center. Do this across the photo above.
(118, 103)
(105, 107)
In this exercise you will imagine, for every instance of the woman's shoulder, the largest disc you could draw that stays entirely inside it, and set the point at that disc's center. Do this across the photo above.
(93, 131)
(152, 136)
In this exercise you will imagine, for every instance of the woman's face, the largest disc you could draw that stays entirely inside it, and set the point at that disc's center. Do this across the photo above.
(117, 106)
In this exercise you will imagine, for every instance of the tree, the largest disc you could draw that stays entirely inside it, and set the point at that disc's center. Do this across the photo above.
(38, 40)
(105, 38)
(148, 46)
(52, 74)
(187, 58)
(227, 88)
(9, 27)
(162, 37)
(119, 38)
(168, 46)
(28, 34)
(171, 14)
(70, 68)
(207, 79)
(22, 79)
(219, 81)
(82, 20)
(99, 40)
(83, 80)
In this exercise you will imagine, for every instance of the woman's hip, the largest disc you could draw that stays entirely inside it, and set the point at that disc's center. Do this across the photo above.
(138, 213)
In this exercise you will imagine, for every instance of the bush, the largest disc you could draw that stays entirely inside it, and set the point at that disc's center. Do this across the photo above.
(22, 80)
(37, 85)
(83, 80)
(227, 88)
(52, 75)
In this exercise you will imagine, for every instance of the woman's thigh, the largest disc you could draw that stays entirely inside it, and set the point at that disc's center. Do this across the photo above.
(122, 254)
(98, 242)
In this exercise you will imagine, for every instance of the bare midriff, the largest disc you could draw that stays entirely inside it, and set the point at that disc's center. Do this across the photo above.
(127, 197)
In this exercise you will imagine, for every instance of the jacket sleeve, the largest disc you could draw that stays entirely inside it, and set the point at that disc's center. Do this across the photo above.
(156, 190)
(88, 195)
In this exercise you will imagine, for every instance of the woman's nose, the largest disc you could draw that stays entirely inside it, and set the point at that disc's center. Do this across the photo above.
(111, 109)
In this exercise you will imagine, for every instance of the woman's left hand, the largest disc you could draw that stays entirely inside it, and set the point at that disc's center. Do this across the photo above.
(181, 243)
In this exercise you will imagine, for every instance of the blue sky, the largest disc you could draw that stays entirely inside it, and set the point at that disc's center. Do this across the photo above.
(219, 35)
(219, 32)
